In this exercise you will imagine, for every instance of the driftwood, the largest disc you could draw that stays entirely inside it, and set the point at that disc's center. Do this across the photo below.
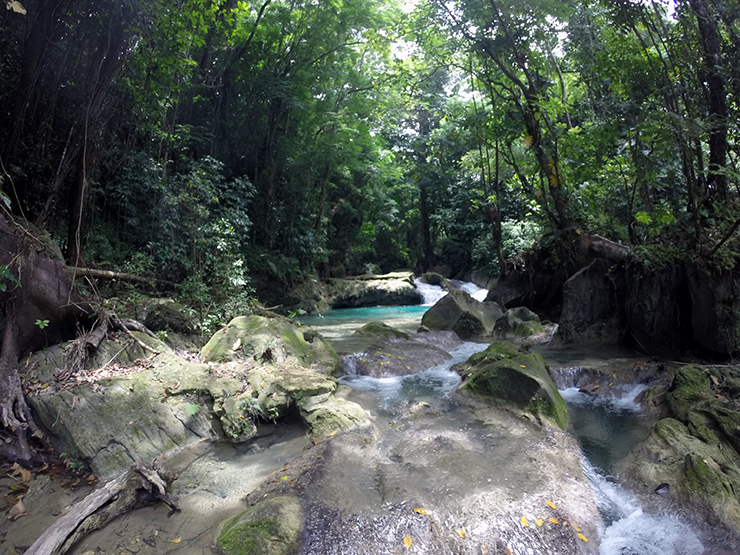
(107, 274)
(139, 486)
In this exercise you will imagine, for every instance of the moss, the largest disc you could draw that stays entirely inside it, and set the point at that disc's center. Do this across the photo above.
(252, 532)
(521, 380)
(525, 329)
(381, 329)
(249, 538)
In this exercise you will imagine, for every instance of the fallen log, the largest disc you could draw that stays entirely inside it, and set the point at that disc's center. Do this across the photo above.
(121, 276)
(139, 486)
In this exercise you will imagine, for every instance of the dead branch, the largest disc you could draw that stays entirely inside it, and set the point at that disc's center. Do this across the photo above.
(107, 274)
(139, 486)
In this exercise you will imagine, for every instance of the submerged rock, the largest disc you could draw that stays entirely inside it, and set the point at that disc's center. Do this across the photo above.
(516, 380)
(461, 313)
(381, 329)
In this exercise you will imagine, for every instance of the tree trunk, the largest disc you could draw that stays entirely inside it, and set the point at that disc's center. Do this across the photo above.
(46, 293)
(717, 100)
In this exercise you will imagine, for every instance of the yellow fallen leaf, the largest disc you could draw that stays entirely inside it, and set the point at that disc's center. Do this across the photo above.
(582, 537)
(553, 520)
(420, 511)
(407, 541)
(576, 528)
(507, 551)
(462, 533)
(333, 433)
(524, 521)
(538, 522)
(484, 549)
(178, 540)
(550, 504)
(283, 478)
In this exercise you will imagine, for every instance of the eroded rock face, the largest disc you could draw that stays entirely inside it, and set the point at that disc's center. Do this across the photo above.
(396, 289)
(461, 313)
(696, 450)
(516, 380)
(132, 405)
(518, 322)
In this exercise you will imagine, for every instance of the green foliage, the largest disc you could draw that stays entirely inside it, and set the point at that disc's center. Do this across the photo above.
(7, 277)
(191, 409)
(41, 323)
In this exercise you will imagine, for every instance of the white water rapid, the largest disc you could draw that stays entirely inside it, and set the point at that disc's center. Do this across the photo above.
(432, 293)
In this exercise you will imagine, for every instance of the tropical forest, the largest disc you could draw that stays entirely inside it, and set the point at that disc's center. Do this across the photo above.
(367, 277)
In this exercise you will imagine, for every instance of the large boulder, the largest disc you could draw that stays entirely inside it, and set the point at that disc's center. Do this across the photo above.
(278, 340)
(516, 380)
(395, 289)
(697, 449)
(461, 313)
(715, 309)
(167, 315)
(657, 309)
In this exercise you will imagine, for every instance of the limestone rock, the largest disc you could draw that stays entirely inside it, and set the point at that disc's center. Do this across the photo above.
(591, 311)
(697, 450)
(517, 380)
(271, 527)
(258, 338)
(461, 313)
(386, 290)
(400, 357)
(519, 321)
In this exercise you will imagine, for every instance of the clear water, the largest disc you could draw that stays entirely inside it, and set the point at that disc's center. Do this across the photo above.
(606, 428)
(432, 385)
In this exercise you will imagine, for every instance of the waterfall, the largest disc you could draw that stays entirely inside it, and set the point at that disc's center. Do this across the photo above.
(432, 293)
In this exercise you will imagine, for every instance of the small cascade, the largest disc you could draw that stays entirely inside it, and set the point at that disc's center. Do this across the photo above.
(432, 293)
(607, 428)
(630, 531)
(349, 363)
(478, 293)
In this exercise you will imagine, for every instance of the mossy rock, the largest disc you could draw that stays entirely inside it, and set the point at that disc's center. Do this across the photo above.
(525, 329)
(271, 527)
(271, 341)
(517, 380)
(510, 323)
(461, 313)
(168, 315)
(328, 416)
(381, 329)
(433, 278)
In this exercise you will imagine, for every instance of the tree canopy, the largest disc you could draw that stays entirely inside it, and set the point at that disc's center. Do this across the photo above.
(220, 144)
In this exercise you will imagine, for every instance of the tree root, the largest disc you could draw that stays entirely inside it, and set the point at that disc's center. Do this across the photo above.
(141, 485)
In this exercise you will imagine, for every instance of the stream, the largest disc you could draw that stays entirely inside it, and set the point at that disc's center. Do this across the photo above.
(427, 450)
(606, 427)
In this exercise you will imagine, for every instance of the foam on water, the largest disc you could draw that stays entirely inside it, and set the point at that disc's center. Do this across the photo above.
(432, 293)
(435, 382)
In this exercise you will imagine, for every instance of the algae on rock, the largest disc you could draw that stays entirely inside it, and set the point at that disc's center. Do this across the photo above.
(518, 380)
(271, 527)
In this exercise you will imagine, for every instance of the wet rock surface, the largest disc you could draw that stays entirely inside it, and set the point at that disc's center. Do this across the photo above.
(461, 313)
